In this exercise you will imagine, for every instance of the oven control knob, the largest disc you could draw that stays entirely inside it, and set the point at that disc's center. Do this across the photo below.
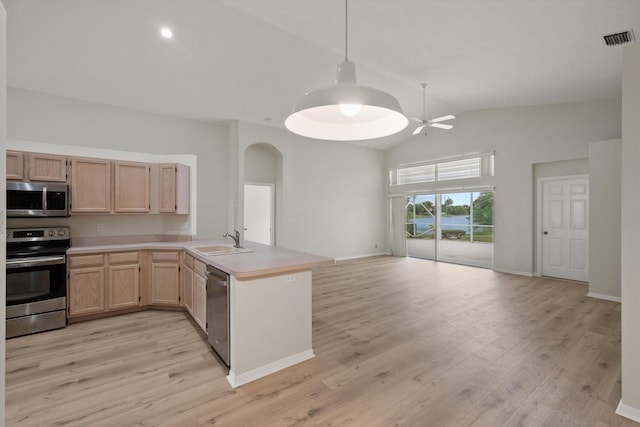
(62, 232)
(51, 232)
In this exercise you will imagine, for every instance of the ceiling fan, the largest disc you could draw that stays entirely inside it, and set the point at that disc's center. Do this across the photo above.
(434, 123)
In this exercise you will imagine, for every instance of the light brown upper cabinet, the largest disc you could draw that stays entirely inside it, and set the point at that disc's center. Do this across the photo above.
(27, 166)
(170, 188)
(47, 167)
(132, 187)
(15, 165)
(90, 185)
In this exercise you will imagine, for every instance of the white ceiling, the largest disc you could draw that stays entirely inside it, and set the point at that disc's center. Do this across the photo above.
(252, 59)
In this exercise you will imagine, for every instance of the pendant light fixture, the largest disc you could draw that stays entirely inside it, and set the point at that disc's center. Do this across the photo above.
(346, 111)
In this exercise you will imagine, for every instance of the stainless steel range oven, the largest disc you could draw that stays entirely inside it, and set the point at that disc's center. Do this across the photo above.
(36, 279)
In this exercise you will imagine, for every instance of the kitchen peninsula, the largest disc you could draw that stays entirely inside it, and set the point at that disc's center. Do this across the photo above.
(269, 297)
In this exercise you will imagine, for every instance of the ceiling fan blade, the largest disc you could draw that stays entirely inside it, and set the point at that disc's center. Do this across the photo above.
(443, 118)
(440, 126)
(418, 130)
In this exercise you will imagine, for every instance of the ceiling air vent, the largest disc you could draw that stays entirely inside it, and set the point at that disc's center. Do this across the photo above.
(618, 38)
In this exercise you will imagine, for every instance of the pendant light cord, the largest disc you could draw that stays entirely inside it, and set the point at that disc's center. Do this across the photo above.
(346, 29)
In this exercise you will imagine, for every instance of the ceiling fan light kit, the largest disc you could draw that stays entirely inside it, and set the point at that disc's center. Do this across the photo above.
(346, 111)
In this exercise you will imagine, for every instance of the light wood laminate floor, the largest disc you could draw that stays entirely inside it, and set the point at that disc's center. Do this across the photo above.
(399, 342)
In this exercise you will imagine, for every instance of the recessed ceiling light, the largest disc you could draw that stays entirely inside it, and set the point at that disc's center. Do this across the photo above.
(166, 33)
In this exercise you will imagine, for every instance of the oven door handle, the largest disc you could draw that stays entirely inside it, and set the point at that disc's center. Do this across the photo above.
(35, 261)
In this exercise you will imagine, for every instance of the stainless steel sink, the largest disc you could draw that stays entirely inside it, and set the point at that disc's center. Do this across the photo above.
(220, 250)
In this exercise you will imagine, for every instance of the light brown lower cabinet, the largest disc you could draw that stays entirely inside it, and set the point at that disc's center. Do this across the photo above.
(165, 278)
(199, 312)
(195, 290)
(103, 282)
(123, 273)
(187, 283)
(108, 282)
(86, 285)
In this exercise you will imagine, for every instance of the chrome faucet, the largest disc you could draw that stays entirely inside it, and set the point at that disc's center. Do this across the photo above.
(235, 237)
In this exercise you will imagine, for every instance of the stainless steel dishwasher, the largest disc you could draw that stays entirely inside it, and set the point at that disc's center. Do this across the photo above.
(218, 312)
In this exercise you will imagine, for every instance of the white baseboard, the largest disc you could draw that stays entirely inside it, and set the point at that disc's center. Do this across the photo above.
(519, 273)
(347, 258)
(263, 371)
(628, 412)
(605, 297)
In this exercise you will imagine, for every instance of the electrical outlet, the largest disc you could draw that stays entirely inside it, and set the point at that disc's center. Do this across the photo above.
(184, 226)
(290, 278)
(100, 227)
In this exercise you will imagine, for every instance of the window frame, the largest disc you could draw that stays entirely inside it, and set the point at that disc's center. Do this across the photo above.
(484, 169)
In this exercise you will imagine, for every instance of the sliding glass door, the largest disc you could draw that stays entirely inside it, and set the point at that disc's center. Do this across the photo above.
(452, 227)
(421, 226)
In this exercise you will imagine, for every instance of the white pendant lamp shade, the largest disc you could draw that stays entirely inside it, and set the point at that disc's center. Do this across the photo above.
(346, 111)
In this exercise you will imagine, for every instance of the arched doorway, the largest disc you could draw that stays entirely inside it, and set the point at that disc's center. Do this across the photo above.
(261, 193)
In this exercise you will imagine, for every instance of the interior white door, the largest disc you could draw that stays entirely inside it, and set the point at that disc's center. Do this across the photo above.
(565, 228)
(259, 213)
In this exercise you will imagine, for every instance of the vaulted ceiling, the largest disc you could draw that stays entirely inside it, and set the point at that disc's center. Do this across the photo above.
(252, 59)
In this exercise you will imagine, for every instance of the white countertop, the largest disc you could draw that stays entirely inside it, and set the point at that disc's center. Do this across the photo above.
(262, 261)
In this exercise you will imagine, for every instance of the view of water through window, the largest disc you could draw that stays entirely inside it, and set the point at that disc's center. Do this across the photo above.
(453, 227)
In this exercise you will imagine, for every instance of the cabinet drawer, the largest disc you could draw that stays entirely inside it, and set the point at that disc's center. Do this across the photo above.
(124, 258)
(79, 261)
(166, 256)
(199, 267)
(188, 261)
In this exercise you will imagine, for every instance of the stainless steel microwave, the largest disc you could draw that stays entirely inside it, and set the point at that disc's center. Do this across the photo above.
(37, 199)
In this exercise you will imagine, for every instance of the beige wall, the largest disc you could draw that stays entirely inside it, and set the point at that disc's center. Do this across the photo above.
(42, 118)
(604, 219)
(520, 138)
(630, 274)
(332, 193)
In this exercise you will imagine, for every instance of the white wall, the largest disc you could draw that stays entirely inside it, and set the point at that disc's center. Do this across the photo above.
(520, 138)
(559, 168)
(604, 219)
(333, 201)
(262, 164)
(630, 267)
(38, 117)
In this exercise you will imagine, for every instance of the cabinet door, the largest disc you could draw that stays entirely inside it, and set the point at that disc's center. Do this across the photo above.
(132, 187)
(170, 188)
(124, 286)
(188, 289)
(15, 165)
(47, 167)
(165, 283)
(86, 291)
(90, 185)
(167, 196)
(200, 301)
